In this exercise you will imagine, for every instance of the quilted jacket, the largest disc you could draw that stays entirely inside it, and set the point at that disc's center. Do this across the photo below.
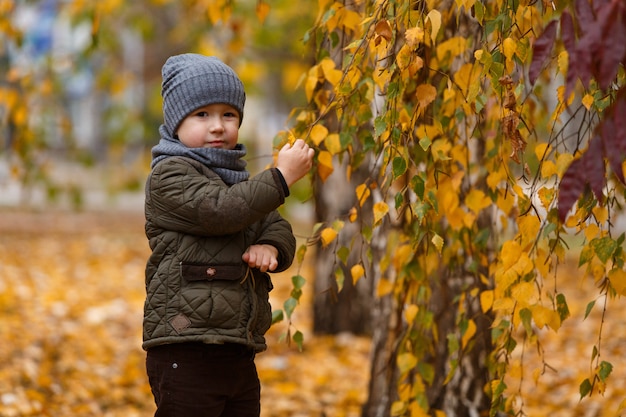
(198, 289)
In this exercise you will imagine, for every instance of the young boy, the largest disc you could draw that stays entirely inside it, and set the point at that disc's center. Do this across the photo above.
(214, 234)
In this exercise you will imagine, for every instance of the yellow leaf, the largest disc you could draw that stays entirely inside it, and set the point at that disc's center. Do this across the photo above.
(262, 10)
(417, 410)
(505, 201)
(544, 316)
(548, 169)
(525, 292)
(331, 74)
(601, 213)
(617, 277)
(362, 193)
(510, 253)
(529, 229)
(428, 131)
(353, 215)
(541, 150)
(486, 300)
(469, 333)
(311, 83)
(563, 161)
(438, 242)
(384, 287)
(328, 235)
(587, 101)
(410, 312)
(401, 256)
(440, 149)
(509, 47)
(351, 19)
(495, 178)
(425, 94)
(546, 195)
(592, 231)
(435, 23)
(397, 408)
(380, 210)
(505, 304)
(563, 62)
(515, 370)
(332, 143)
(357, 272)
(406, 362)
(414, 36)
(318, 134)
(324, 165)
(476, 200)
(524, 265)
(468, 80)
(451, 48)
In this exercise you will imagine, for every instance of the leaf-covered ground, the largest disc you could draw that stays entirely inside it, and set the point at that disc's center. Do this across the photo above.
(71, 295)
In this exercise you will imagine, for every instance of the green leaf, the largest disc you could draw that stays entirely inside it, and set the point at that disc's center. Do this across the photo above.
(399, 166)
(589, 308)
(298, 281)
(561, 307)
(418, 186)
(339, 278)
(380, 126)
(586, 255)
(585, 388)
(406, 362)
(425, 143)
(289, 306)
(298, 338)
(605, 370)
(427, 371)
(526, 315)
(277, 316)
(343, 253)
(604, 248)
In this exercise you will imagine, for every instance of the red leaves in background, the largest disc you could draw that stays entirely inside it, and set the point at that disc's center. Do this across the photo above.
(542, 50)
(608, 142)
(596, 48)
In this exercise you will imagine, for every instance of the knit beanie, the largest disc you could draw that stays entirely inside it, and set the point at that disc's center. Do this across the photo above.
(191, 81)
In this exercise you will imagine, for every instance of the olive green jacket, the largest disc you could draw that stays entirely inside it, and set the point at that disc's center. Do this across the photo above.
(198, 289)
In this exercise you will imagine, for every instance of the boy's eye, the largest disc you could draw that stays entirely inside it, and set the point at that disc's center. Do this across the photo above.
(230, 114)
(202, 114)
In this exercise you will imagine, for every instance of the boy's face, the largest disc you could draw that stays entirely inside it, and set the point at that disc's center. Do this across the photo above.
(211, 126)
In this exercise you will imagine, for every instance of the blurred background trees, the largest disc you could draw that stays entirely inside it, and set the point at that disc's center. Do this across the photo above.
(81, 81)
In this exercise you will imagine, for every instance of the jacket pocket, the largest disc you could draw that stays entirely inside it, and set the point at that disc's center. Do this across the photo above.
(212, 295)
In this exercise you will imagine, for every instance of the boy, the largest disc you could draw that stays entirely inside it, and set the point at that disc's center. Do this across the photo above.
(214, 234)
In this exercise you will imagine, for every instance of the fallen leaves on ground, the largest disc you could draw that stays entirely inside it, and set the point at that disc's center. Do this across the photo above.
(71, 299)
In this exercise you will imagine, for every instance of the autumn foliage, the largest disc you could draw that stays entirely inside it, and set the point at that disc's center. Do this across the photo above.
(589, 36)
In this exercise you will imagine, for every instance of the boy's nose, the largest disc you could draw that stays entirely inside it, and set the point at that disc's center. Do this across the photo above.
(215, 124)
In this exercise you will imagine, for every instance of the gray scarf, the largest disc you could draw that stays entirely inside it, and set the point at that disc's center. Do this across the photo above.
(224, 162)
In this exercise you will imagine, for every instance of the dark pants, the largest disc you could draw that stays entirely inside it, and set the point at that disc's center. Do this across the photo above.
(199, 380)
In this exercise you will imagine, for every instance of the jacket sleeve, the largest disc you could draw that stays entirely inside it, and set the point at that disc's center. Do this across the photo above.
(276, 231)
(183, 198)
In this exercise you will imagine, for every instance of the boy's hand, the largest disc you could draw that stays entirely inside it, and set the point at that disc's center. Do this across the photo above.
(294, 161)
(263, 257)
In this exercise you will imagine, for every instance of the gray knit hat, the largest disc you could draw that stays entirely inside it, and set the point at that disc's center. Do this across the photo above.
(191, 81)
